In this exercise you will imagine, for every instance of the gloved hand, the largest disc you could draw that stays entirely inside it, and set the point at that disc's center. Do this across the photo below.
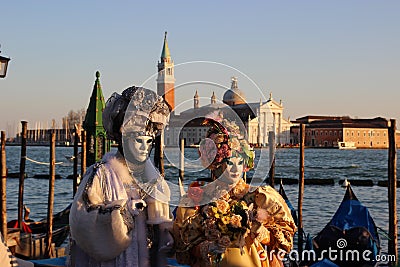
(135, 206)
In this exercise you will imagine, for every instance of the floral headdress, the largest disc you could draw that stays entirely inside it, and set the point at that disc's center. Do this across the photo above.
(224, 140)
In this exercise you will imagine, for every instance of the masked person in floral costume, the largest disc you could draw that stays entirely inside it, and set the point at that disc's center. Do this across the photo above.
(226, 222)
(120, 214)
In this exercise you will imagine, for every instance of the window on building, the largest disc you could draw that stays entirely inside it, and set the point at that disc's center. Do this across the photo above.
(335, 133)
(330, 133)
(352, 134)
(358, 133)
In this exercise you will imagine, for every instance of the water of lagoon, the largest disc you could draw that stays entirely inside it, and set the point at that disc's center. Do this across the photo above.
(320, 201)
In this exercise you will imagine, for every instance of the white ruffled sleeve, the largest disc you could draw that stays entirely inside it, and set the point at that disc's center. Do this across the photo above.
(100, 223)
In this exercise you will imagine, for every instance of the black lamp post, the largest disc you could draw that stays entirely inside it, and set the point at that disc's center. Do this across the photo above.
(3, 66)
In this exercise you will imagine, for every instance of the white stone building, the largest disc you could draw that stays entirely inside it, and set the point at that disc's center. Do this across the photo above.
(259, 119)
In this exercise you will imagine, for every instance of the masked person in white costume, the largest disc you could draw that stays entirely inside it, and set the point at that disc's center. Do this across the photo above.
(120, 215)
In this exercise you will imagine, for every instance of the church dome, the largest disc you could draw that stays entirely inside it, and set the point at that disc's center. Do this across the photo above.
(234, 96)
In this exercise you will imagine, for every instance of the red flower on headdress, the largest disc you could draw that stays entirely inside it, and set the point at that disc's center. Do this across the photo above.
(195, 193)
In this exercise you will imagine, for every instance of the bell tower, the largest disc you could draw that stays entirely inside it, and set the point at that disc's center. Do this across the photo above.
(213, 98)
(196, 103)
(165, 78)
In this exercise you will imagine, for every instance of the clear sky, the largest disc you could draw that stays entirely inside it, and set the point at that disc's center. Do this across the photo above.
(318, 57)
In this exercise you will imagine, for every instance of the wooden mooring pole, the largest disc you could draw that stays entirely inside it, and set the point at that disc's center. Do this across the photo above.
(182, 160)
(181, 166)
(301, 190)
(83, 153)
(161, 167)
(50, 204)
(3, 186)
(75, 170)
(392, 185)
(272, 145)
(159, 152)
(22, 172)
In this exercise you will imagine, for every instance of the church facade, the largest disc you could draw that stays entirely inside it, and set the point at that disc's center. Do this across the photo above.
(260, 119)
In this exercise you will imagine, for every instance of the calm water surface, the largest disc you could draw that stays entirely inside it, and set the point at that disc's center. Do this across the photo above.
(319, 205)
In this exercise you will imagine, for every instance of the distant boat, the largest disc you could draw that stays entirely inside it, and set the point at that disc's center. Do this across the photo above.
(347, 145)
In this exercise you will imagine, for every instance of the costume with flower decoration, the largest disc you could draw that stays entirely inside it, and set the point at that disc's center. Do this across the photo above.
(119, 201)
(243, 226)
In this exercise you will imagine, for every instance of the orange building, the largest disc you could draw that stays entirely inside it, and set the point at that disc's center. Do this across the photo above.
(328, 131)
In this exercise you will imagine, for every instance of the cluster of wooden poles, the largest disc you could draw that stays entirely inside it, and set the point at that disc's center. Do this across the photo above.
(52, 162)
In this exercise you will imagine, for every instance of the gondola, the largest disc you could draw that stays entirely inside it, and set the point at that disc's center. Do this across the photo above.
(60, 220)
(351, 236)
(31, 241)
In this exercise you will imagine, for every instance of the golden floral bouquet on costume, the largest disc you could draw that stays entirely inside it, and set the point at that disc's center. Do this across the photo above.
(226, 222)
(223, 223)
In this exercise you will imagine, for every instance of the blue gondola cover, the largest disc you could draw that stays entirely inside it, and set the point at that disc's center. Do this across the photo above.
(350, 229)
